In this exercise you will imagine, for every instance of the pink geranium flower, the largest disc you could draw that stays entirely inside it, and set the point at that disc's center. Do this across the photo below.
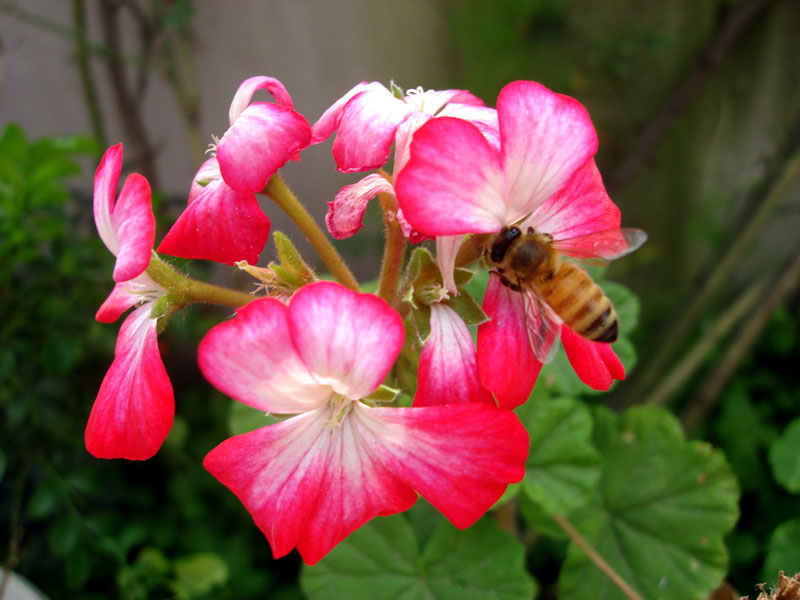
(223, 221)
(311, 480)
(541, 175)
(368, 120)
(134, 409)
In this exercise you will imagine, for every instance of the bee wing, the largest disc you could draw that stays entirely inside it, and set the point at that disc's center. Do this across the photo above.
(542, 324)
(601, 247)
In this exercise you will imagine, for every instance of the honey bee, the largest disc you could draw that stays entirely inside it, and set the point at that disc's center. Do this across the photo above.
(555, 289)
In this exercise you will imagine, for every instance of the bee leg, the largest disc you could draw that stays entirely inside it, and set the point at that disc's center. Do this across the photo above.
(548, 236)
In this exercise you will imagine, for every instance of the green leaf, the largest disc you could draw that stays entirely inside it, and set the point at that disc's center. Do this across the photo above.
(784, 551)
(563, 466)
(658, 514)
(382, 560)
(3, 464)
(785, 458)
(198, 574)
(78, 567)
(44, 500)
(64, 535)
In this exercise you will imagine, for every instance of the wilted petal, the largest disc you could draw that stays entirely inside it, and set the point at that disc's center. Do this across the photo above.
(595, 363)
(452, 181)
(545, 137)
(581, 207)
(252, 358)
(506, 362)
(348, 340)
(346, 212)
(263, 139)
(307, 484)
(459, 457)
(134, 409)
(249, 87)
(448, 365)
(219, 224)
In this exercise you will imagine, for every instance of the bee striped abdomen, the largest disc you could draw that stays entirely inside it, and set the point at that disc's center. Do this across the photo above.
(581, 303)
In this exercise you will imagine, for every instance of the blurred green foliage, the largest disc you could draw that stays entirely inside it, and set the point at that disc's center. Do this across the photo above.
(76, 526)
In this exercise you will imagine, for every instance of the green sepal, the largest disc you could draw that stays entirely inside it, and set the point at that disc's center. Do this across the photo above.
(202, 182)
(462, 277)
(422, 322)
(426, 285)
(291, 259)
(285, 277)
(397, 91)
(467, 308)
(382, 396)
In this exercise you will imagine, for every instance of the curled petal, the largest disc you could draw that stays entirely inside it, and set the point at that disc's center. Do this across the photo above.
(250, 86)
(348, 340)
(252, 358)
(506, 363)
(452, 181)
(306, 484)
(546, 137)
(580, 208)
(262, 140)
(448, 365)
(346, 212)
(329, 121)
(126, 226)
(105, 191)
(366, 129)
(595, 363)
(134, 409)
(218, 224)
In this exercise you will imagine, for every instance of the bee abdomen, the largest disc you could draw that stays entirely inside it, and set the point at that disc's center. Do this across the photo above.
(581, 303)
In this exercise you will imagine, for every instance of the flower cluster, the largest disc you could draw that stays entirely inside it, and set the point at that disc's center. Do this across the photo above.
(325, 357)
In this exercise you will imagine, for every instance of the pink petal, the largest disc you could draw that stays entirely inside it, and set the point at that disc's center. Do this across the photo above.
(447, 247)
(119, 300)
(263, 139)
(581, 207)
(135, 228)
(346, 212)
(133, 412)
(105, 192)
(329, 121)
(307, 484)
(595, 363)
(452, 181)
(249, 87)
(506, 363)
(348, 340)
(219, 224)
(546, 137)
(459, 457)
(366, 129)
(483, 117)
(448, 365)
(252, 358)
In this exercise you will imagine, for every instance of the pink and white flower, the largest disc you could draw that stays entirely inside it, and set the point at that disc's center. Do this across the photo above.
(223, 221)
(134, 409)
(311, 480)
(541, 175)
(368, 120)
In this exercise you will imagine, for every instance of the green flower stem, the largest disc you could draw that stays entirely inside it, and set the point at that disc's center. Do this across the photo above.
(186, 290)
(598, 560)
(394, 251)
(283, 197)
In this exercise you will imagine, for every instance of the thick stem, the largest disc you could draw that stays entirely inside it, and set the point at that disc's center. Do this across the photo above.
(187, 290)
(394, 251)
(598, 560)
(288, 202)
